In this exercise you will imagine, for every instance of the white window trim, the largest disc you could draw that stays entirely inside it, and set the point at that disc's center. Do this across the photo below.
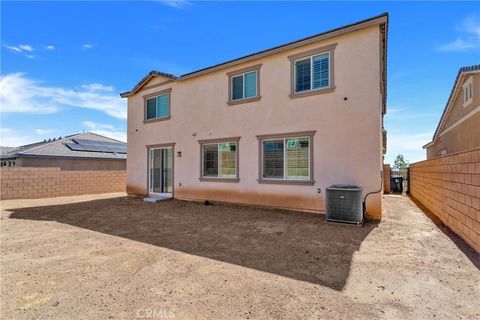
(311, 72)
(243, 83)
(219, 161)
(467, 89)
(285, 178)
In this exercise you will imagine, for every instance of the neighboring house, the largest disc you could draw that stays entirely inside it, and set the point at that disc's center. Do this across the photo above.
(83, 151)
(459, 126)
(272, 128)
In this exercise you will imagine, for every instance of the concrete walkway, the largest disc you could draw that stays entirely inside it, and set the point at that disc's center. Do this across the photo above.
(110, 256)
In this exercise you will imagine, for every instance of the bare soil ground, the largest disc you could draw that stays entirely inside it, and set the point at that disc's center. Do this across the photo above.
(121, 258)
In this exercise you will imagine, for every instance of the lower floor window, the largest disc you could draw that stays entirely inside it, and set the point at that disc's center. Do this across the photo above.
(219, 160)
(286, 159)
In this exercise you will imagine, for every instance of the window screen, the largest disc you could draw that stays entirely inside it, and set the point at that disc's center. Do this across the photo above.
(210, 160)
(302, 75)
(237, 88)
(151, 108)
(228, 159)
(273, 159)
(297, 158)
(321, 71)
(158, 107)
(250, 84)
(220, 160)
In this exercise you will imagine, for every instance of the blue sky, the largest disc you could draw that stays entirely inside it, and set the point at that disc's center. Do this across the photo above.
(64, 63)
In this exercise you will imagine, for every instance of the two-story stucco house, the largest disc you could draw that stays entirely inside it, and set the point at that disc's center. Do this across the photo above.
(459, 126)
(271, 128)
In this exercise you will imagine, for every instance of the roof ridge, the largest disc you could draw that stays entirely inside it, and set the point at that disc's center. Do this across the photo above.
(104, 136)
(47, 143)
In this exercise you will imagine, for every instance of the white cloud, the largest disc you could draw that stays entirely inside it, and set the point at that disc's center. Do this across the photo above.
(408, 142)
(43, 132)
(98, 87)
(410, 145)
(87, 46)
(12, 48)
(117, 135)
(105, 130)
(93, 125)
(9, 138)
(175, 3)
(469, 37)
(21, 94)
(26, 47)
(49, 47)
(458, 44)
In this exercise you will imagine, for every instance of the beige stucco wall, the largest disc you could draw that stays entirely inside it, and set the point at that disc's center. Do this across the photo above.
(455, 137)
(347, 143)
(465, 136)
(72, 164)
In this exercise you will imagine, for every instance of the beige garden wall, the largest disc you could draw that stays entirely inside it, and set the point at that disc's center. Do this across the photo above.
(34, 183)
(449, 187)
(347, 121)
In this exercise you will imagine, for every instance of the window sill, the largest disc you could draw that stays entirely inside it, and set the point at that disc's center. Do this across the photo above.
(468, 103)
(234, 180)
(156, 119)
(240, 101)
(311, 93)
(291, 182)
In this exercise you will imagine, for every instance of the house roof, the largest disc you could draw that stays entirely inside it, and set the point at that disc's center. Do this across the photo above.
(376, 20)
(58, 148)
(461, 72)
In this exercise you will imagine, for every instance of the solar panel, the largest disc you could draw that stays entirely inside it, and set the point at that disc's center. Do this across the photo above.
(97, 146)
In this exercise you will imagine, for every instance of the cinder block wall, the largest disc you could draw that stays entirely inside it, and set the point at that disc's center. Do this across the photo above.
(33, 183)
(449, 187)
(386, 178)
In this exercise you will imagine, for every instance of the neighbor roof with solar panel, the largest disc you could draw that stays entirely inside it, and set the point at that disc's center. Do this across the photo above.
(82, 145)
(97, 146)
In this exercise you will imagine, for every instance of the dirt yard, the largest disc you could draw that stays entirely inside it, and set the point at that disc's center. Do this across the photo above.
(121, 258)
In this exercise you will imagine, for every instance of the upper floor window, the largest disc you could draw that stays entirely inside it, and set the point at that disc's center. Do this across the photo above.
(468, 91)
(244, 85)
(312, 72)
(157, 106)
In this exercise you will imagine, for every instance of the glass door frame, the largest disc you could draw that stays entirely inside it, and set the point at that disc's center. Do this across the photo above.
(149, 163)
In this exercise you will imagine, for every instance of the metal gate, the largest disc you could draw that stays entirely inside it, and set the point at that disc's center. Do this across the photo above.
(399, 180)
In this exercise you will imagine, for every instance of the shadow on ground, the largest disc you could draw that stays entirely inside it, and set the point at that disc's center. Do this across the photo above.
(297, 245)
(471, 254)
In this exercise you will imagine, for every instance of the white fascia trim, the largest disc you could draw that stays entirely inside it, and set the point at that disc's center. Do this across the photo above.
(465, 117)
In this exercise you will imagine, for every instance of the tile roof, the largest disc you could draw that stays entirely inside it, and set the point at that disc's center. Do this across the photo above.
(382, 18)
(58, 149)
(461, 71)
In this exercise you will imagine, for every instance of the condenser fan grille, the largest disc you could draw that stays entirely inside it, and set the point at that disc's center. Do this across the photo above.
(344, 204)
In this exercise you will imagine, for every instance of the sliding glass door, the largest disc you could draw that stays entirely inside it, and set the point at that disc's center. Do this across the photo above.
(160, 170)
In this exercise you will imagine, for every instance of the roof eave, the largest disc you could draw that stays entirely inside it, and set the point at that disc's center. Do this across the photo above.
(76, 157)
(376, 20)
(463, 70)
